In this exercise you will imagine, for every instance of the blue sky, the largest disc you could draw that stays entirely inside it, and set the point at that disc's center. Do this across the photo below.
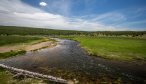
(88, 15)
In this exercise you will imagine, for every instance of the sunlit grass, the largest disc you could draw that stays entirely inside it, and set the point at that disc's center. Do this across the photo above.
(11, 53)
(120, 48)
(7, 40)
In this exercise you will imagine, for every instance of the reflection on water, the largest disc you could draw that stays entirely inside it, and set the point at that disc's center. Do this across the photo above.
(67, 57)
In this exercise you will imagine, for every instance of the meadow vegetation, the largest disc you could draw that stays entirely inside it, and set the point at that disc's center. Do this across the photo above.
(121, 45)
(12, 30)
(12, 40)
(114, 45)
(15, 39)
(115, 48)
(11, 53)
(7, 78)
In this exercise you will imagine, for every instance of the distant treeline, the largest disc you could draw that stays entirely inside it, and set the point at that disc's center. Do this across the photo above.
(12, 30)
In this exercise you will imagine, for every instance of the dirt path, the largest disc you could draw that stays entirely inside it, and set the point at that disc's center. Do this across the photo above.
(27, 47)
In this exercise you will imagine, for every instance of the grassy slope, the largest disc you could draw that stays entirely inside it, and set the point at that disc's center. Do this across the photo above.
(4, 40)
(121, 48)
(12, 30)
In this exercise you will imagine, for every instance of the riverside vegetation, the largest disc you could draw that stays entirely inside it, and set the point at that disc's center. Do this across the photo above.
(114, 48)
(113, 45)
(121, 45)
(5, 76)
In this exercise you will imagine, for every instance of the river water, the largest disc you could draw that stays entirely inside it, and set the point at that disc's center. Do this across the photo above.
(69, 61)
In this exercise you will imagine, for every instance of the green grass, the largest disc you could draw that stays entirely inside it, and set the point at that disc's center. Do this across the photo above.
(13, 30)
(15, 39)
(118, 48)
(11, 53)
(7, 40)
(7, 78)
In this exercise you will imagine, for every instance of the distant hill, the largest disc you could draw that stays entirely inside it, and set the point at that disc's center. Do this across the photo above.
(13, 30)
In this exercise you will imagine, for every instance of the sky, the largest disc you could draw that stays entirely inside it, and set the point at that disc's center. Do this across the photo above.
(84, 15)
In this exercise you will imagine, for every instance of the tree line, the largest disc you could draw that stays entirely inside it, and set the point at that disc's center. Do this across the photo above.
(12, 30)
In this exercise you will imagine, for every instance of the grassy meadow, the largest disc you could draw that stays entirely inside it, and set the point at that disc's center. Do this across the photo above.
(11, 53)
(110, 45)
(15, 39)
(121, 45)
(115, 48)
(13, 30)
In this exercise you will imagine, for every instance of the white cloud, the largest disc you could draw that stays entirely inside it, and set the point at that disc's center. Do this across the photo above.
(17, 13)
(43, 4)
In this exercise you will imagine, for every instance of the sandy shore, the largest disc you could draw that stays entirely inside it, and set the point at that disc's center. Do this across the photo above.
(27, 47)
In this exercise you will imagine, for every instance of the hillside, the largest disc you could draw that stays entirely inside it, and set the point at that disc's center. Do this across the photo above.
(12, 30)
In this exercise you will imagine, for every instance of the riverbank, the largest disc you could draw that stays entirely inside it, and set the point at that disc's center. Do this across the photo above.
(68, 61)
(7, 77)
(17, 45)
(21, 46)
(113, 48)
(27, 43)
(27, 47)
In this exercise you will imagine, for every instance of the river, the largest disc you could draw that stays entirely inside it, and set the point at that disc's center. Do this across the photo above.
(68, 60)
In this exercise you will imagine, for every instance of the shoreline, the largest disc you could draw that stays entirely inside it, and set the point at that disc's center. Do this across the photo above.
(21, 48)
(27, 47)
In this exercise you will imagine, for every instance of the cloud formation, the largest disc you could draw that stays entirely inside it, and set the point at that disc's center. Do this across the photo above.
(17, 13)
(43, 4)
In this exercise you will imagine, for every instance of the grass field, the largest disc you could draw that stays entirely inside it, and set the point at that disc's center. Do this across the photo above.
(14, 40)
(118, 48)
(13, 30)
(8, 40)
(7, 78)
(14, 45)
(11, 53)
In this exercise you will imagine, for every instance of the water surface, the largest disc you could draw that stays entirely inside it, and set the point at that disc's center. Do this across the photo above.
(68, 60)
